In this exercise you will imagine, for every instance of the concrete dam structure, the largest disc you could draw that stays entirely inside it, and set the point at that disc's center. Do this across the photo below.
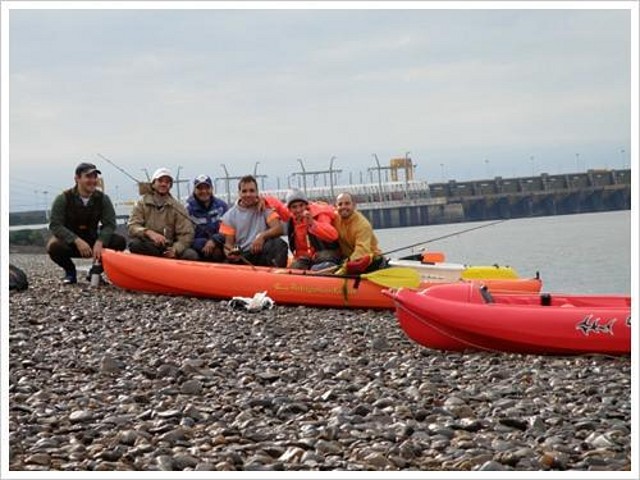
(502, 198)
(411, 202)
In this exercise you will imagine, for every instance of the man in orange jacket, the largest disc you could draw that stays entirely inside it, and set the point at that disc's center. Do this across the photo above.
(313, 239)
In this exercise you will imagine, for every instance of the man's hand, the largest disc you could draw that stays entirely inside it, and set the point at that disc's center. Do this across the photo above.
(257, 244)
(169, 252)
(359, 265)
(308, 218)
(233, 253)
(97, 250)
(209, 248)
(156, 237)
(83, 248)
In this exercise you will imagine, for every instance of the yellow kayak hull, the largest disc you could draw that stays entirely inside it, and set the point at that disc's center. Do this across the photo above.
(488, 272)
(451, 272)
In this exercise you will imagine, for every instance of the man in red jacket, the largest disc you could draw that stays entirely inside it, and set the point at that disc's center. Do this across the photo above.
(313, 239)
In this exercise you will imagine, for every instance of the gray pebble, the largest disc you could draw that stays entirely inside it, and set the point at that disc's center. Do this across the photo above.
(191, 387)
(79, 416)
(154, 382)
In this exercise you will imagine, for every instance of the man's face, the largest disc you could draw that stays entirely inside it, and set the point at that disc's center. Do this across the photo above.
(297, 209)
(87, 182)
(162, 185)
(345, 206)
(203, 192)
(248, 194)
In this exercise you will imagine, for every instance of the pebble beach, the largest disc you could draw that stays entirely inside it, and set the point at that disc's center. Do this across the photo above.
(105, 379)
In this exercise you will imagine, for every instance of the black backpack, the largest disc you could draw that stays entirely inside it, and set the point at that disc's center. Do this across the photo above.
(17, 278)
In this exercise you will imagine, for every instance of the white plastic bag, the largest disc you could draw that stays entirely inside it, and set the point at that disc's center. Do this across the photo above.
(258, 302)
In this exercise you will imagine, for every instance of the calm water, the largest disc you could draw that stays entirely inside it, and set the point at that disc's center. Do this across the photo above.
(586, 253)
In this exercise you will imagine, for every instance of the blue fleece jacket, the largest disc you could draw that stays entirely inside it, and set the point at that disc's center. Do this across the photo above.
(207, 220)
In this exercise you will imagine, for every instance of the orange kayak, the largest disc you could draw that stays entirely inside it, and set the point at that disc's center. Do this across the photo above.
(283, 285)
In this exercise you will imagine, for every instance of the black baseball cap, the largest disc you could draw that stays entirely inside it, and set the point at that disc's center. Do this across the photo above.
(85, 167)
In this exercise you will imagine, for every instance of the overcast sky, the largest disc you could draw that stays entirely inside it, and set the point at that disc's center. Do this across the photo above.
(469, 93)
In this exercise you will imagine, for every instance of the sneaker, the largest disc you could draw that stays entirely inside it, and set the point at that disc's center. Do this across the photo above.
(70, 279)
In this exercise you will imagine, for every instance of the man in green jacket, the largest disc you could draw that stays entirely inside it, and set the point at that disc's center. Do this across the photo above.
(75, 218)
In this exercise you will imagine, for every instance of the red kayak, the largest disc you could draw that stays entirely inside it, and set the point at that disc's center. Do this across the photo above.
(461, 316)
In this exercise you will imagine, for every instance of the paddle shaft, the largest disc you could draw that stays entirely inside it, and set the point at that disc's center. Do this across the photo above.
(460, 232)
(393, 277)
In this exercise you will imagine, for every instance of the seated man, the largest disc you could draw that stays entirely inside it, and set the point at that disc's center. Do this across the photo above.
(356, 238)
(252, 233)
(75, 216)
(206, 211)
(159, 225)
(313, 240)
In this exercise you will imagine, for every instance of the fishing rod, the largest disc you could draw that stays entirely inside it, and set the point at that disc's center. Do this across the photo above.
(139, 182)
(119, 168)
(460, 232)
(188, 217)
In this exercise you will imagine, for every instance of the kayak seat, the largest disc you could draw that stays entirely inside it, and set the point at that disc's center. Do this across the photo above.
(486, 295)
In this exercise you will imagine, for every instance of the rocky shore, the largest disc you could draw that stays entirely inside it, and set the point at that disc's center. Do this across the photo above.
(104, 379)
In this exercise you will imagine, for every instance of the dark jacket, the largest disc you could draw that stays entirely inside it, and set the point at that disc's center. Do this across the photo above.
(207, 220)
(71, 218)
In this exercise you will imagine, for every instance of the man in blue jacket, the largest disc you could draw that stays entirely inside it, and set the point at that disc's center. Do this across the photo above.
(206, 211)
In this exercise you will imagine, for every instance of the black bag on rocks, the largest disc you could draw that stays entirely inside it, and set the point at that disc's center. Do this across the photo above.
(17, 278)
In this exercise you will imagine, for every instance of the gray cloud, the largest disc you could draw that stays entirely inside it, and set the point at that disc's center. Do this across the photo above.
(197, 88)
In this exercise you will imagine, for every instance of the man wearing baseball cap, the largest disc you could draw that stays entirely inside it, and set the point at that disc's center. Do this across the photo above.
(313, 239)
(206, 211)
(159, 225)
(82, 223)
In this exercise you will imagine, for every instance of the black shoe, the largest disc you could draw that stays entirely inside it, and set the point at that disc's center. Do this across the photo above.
(70, 279)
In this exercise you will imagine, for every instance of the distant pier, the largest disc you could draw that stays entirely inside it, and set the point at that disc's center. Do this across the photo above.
(416, 202)
(502, 198)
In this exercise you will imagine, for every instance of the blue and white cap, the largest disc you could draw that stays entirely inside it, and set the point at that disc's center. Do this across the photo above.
(200, 179)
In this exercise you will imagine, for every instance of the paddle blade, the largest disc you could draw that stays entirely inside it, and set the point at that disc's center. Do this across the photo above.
(394, 277)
